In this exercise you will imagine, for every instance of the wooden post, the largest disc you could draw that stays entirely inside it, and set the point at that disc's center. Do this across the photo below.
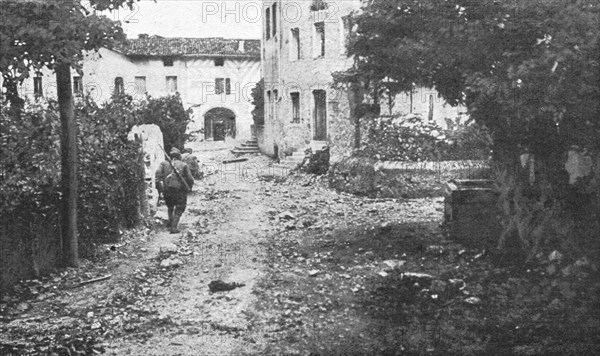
(68, 145)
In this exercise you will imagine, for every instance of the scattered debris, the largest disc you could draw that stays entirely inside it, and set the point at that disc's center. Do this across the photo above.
(94, 280)
(220, 286)
(393, 264)
(235, 160)
(473, 300)
(555, 256)
(286, 215)
(313, 273)
(171, 262)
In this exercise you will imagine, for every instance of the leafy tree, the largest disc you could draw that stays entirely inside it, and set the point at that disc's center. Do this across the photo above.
(55, 34)
(529, 71)
(168, 113)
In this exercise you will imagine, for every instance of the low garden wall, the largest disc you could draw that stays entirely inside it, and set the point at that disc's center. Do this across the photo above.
(401, 179)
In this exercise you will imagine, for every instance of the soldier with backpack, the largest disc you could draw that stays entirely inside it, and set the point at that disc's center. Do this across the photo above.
(174, 180)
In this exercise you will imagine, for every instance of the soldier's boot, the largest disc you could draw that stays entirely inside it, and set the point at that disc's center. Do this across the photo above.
(170, 222)
(173, 229)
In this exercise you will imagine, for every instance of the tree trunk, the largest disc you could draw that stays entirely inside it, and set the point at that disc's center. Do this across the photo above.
(68, 165)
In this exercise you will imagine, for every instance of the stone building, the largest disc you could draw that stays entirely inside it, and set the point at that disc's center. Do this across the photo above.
(214, 77)
(303, 43)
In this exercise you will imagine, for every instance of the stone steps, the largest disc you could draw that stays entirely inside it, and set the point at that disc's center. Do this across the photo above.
(248, 147)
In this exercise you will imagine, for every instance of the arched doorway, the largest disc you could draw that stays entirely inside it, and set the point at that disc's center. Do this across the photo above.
(218, 124)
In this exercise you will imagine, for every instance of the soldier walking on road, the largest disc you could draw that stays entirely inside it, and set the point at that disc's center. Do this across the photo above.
(174, 180)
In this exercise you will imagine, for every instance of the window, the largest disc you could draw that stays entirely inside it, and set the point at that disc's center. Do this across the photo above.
(295, 44)
(37, 86)
(219, 62)
(140, 85)
(268, 23)
(219, 86)
(295, 107)
(430, 107)
(171, 84)
(318, 5)
(319, 39)
(223, 85)
(269, 109)
(320, 115)
(168, 61)
(274, 19)
(77, 86)
(119, 87)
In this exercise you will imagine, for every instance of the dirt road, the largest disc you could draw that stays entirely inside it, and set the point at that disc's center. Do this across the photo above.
(222, 231)
(317, 273)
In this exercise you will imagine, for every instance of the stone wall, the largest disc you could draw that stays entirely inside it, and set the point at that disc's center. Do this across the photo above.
(368, 177)
(152, 141)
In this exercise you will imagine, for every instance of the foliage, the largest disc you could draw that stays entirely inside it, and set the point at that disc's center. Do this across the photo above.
(37, 34)
(494, 57)
(30, 150)
(527, 70)
(258, 113)
(110, 172)
(410, 138)
(168, 113)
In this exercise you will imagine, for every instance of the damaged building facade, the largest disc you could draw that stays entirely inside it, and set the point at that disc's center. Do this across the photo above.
(303, 43)
(213, 76)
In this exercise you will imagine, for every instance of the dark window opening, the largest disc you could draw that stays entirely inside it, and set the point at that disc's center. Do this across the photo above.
(320, 115)
(219, 62)
(168, 61)
(77, 86)
(268, 23)
(295, 107)
(37, 86)
(430, 107)
(269, 103)
(171, 84)
(274, 19)
(119, 86)
(318, 5)
(227, 86)
(320, 33)
(219, 85)
(295, 44)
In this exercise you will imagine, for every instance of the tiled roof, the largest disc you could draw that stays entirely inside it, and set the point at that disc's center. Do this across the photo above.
(180, 46)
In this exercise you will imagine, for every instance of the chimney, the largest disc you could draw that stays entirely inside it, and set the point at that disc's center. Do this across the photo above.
(241, 46)
(143, 36)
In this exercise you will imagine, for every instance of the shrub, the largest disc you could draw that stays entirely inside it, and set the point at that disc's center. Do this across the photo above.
(30, 151)
(411, 138)
(111, 172)
(167, 112)
(111, 176)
